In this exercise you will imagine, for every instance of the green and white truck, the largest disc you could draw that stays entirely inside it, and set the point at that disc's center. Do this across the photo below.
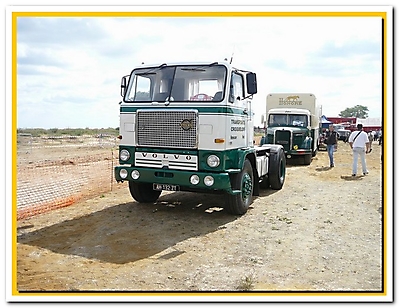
(293, 121)
(189, 127)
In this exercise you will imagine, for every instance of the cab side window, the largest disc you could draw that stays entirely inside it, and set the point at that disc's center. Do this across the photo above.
(236, 87)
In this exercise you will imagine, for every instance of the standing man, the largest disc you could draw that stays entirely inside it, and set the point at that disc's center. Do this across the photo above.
(360, 145)
(331, 141)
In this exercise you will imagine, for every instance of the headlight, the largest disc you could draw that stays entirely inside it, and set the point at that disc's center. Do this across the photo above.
(213, 161)
(123, 173)
(135, 174)
(194, 179)
(209, 180)
(124, 155)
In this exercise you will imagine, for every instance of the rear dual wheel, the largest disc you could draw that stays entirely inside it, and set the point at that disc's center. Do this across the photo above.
(277, 169)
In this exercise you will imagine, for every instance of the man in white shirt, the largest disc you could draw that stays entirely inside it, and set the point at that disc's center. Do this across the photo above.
(359, 142)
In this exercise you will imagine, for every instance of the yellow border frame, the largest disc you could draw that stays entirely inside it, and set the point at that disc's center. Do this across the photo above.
(15, 15)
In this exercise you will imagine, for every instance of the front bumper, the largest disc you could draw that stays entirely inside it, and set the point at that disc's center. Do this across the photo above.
(298, 152)
(176, 177)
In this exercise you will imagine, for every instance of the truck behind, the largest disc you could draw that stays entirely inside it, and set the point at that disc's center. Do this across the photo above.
(293, 121)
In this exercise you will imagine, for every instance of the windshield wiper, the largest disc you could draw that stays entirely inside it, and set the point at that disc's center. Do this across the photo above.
(198, 68)
(152, 70)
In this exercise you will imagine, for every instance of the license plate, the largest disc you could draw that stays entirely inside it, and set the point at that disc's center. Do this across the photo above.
(166, 187)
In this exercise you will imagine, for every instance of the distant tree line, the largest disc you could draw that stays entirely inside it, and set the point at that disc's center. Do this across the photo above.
(39, 132)
(357, 111)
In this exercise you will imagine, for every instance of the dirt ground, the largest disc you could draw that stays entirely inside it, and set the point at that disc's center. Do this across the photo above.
(321, 232)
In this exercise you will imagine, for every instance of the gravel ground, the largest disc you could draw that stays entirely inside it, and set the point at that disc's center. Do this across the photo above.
(322, 232)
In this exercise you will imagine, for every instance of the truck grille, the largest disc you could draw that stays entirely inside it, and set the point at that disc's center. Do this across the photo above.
(283, 137)
(166, 161)
(167, 128)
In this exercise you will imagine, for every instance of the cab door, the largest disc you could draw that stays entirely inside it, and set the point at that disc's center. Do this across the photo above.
(241, 119)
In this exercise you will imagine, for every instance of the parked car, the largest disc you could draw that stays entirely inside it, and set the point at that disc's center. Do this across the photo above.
(343, 134)
(322, 145)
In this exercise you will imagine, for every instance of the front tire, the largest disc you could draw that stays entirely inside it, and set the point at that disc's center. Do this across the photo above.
(307, 159)
(314, 153)
(143, 192)
(238, 204)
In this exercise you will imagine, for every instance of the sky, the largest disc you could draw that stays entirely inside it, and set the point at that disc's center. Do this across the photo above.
(69, 67)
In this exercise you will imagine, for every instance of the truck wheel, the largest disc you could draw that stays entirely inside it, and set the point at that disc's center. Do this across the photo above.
(277, 169)
(143, 192)
(265, 183)
(307, 159)
(238, 204)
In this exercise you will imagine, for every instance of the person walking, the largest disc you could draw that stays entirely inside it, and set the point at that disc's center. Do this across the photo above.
(371, 138)
(331, 140)
(359, 142)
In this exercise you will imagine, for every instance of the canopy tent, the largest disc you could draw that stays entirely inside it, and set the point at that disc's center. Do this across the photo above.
(325, 122)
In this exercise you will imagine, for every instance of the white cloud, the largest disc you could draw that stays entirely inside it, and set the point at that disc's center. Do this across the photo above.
(77, 63)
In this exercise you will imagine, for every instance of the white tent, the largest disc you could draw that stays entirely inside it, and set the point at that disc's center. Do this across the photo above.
(369, 122)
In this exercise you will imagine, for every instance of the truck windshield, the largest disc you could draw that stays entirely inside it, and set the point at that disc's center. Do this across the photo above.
(288, 120)
(190, 83)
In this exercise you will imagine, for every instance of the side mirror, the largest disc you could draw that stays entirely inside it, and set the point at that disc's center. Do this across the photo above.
(251, 83)
(123, 85)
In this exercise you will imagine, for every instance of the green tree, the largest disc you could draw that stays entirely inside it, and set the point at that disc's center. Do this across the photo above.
(358, 111)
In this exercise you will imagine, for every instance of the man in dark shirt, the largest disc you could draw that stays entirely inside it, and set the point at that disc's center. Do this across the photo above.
(331, 141)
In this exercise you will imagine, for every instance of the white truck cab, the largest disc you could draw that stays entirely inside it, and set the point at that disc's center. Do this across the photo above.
(189, 127)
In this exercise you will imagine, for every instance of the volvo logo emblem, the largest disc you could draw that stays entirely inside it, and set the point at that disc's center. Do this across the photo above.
(186, 124)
